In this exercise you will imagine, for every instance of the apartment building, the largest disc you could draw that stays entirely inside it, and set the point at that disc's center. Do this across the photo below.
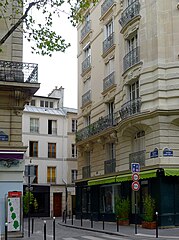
(18, 82)
(48, 131)
(128, 70)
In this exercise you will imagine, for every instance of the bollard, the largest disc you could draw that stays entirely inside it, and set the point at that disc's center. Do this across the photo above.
(103, 221)
(53, 228)
(6, 225)
(117, 225)
(72, 219)
(45, 230)
(65, 215)
(81, 219)
(91, 220)
(156, 224)
(32, 225)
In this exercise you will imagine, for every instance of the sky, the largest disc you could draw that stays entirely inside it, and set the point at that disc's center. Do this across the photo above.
(60, 69)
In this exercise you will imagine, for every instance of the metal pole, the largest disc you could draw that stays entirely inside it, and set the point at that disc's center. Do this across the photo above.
(32, 225)
(135, 212)
(72, 218)
(6, 225)
(66, 200)
(103, 221)
(28, 200)
(81, 219)
(53, 228)
(156, 224)
(117, 225)
(45, 232)
(91, 220)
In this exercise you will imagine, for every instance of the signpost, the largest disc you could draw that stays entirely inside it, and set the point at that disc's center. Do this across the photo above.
(135, 167)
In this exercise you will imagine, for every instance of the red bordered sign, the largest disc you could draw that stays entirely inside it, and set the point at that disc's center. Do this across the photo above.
(135, 186)
(14, 194)
(135, 177)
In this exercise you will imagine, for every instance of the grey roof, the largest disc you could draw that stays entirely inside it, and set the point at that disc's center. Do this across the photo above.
(44, 110)
(70, 110)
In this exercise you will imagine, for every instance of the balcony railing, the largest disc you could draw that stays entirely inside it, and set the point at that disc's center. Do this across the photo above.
(130, 108)
(108, 43)
(86, 64)
(129, 13)
(105, 6)
(86, 172)
(131, 58)
(110, 166)
(86, 29)
(137, 157)
(109, 81)
(18, 72)
(96, 127)
(86, 98)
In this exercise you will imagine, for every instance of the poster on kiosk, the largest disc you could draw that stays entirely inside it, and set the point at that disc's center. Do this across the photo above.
(14, 213)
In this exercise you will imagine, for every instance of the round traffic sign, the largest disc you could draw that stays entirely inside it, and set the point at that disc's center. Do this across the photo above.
(135, 177)
(135, 186)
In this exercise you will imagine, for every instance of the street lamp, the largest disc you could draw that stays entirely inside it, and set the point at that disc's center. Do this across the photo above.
(29, 178)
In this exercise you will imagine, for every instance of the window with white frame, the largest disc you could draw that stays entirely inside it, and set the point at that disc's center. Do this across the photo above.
(73, 151)
(132, 42)
(109, 67)
(109, 29)
(87, 51)
(74, 174)
(74, 125)
(87, 120)
(139, 141)
(134, 90)
(34, 125)
(52, 127)
(87, 85)
(111, 148)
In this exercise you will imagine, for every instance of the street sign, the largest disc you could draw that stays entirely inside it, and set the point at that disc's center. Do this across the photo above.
(135, 177)
(135, 167)
(135, 186)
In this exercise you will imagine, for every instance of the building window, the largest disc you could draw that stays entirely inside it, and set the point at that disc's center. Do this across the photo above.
(52, 127)
(111, 148)
(35, 174)
(34, 125)
(73, 175)
(52, 150)
(73, 151)
(74, 125)
(33, 149)
(51, 174)
(87, 120)
(139, 141)
(32, 102)
(41, 103)
(46, 104)
(109, 67)
(134, 90)
(51, 104)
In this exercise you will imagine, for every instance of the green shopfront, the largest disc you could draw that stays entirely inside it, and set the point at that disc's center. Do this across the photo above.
(96, 197)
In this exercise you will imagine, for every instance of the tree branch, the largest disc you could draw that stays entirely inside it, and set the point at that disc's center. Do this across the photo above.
(18, 23)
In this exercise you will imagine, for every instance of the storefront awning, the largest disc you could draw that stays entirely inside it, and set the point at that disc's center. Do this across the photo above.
(101, 181)
(171, 171)
(124, 177)
(148, 174)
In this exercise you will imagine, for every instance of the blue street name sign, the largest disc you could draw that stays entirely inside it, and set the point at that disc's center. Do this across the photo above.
(135, 167)
(154, 153)
(167, 152)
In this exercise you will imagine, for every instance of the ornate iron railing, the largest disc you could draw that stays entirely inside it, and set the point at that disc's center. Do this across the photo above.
(108, 43)
(86, 29)
(109, 166)
(18, 72)
(105, 6)
(96, 127)
(130, 108)
(131, 58)
(86, 64)
(137, 157)
(109, 81)
(86, 98)
(86, 172)
(129, 13)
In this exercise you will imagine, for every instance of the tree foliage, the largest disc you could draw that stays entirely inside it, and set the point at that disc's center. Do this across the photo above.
(41, 32)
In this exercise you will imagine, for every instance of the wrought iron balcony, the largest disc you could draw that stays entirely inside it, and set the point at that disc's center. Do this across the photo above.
(96, 127)
(86, 172)
(109, 81)
(130, 108)
(86, 29)
(86, 64)
(129, 13)
(105, 6)
(110, 166)
(86, 98)
(131, 58)
(108, 43)
(137, 157)
(18, 72)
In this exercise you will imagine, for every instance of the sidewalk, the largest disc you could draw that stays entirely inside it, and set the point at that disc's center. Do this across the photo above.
(128, 231)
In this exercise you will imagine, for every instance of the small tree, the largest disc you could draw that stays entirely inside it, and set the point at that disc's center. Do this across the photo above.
(122, 208)
(26, 204)
(149, 208)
